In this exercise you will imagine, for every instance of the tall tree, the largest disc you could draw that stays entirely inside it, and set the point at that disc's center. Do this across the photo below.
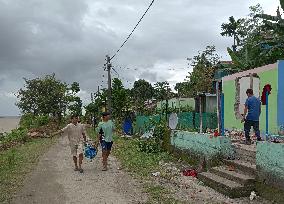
(75, 102)
(263, 42)
(43, 96)
(142, 91)
(120, 98)
(204, 66)
(232, 29)
(182, 89)
(162, 90)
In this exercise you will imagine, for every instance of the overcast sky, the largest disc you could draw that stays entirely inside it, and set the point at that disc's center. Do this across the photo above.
(72, 37)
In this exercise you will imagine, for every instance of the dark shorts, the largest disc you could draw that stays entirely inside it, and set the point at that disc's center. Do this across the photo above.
(106, 145)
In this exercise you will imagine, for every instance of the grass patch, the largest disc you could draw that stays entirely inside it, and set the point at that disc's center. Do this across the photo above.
(16, 162)
(140, 163)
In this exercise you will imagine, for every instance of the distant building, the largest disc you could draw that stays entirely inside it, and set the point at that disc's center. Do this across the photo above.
(177, 103)
(209, 103)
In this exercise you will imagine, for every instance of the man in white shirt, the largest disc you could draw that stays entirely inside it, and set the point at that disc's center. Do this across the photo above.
(77, 138)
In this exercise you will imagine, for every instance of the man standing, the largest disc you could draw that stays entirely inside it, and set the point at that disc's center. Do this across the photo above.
(105, 136)
(251, 116)
(77, 137)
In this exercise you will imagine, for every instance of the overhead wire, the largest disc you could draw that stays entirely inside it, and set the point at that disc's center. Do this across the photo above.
(152, 2)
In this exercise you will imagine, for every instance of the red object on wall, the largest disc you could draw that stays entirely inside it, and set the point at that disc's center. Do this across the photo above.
(266, 88)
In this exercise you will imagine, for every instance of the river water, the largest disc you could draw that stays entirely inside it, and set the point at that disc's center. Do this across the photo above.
(9, 123)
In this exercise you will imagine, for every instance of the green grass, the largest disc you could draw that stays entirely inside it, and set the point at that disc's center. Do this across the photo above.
(141, 163)
(16, 162)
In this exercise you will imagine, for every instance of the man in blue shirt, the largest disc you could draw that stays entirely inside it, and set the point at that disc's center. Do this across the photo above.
(251, 116)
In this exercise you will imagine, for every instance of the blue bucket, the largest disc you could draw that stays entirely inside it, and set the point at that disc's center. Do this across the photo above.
(90, 151)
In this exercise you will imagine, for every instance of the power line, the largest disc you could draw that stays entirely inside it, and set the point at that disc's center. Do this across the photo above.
(133, 29)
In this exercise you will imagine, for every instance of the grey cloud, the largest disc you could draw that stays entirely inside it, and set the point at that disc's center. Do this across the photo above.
(149, 76)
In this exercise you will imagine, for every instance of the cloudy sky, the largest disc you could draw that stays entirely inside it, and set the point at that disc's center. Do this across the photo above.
(72, 37)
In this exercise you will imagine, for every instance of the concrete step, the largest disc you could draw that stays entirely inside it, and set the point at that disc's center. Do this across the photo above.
(248, 167)
(245, 157)
(237, 176)
(225, 186)
(246, 152)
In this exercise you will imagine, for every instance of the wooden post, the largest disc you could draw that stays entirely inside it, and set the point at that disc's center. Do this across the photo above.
(218, 105)
(200, 114)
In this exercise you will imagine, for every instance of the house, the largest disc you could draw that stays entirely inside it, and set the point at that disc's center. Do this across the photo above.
(234, 88)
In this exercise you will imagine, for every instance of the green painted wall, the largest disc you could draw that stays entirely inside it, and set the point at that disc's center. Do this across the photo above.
(270, 163)
(229, 89)
(202, 144)
(270, 77)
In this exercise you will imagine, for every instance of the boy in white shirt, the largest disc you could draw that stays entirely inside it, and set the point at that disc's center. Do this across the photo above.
(77, 138)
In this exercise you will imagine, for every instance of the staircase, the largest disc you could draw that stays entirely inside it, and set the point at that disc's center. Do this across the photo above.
(236, 178)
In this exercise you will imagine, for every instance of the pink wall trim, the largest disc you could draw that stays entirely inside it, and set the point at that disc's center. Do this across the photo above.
(251, 71)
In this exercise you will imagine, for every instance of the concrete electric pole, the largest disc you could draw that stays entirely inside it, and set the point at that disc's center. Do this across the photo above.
(108, 67)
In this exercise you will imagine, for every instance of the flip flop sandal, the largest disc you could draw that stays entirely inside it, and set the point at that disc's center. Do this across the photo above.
(76, 169)
(81, 171)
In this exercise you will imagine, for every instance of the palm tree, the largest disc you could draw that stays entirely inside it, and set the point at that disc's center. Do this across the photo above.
(231, 29)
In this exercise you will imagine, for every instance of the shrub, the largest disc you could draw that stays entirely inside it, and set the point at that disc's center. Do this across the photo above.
(151, 145)
(159, 141)
(31, 121)
(19, 135)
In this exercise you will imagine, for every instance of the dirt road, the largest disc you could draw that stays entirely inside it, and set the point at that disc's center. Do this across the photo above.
(54, 181)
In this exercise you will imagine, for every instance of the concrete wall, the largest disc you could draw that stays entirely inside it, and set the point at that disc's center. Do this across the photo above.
(270, 163)
(177, 103)
(202, 144)
(268, 75)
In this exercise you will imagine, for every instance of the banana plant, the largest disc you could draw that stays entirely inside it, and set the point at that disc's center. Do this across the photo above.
(275, 22)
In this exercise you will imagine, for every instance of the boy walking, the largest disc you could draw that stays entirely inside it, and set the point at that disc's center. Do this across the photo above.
(105, 137)
(77, 137)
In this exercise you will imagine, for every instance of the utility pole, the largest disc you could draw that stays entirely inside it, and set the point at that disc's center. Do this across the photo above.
(94, 96)
(108, 67)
